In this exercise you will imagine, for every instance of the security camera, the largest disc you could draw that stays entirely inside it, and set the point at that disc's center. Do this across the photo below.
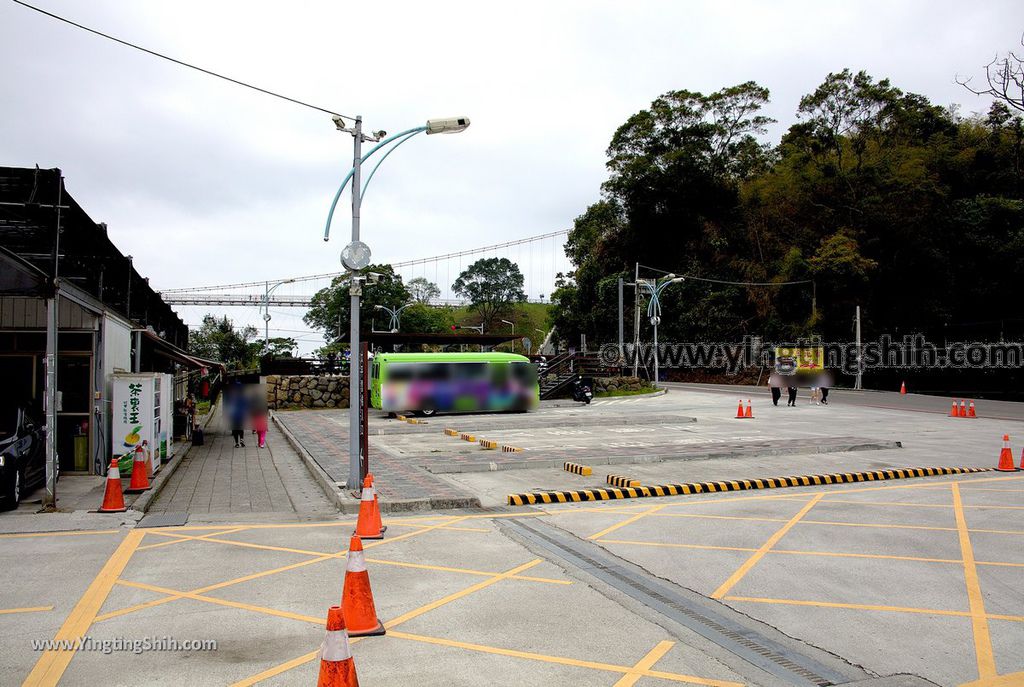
(339, 122)
(381, 134)
(447, 125)
(373, 277)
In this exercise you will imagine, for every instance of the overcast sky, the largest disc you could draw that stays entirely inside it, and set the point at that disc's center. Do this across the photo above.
(205, 182)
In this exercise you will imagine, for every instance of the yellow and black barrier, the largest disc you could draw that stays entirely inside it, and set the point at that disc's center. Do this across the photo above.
(584, 470)
(403, 418)
(467, 437)
(622, 482)
(487, 443)
(540, 497)
(451, 432)
(511, 449)
(415, 421)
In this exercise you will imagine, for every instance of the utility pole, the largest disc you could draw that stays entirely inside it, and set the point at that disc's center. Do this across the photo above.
(636, 319)
(860, 370)
(620, 322)
(355, 290)
(52, 324)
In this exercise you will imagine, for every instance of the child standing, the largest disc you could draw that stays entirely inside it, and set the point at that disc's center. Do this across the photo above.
(259, 425)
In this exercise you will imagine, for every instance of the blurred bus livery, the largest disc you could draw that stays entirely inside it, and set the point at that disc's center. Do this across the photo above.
(428, 383)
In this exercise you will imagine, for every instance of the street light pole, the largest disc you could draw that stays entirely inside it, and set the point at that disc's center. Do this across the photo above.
(654, 309)
(356, 257)
(513, 325)
(267, 290)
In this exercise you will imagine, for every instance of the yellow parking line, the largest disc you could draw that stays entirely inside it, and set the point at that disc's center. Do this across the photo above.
(1007, 680)
(905, 504)
(609, 667)
(640, 668)
(759, 554)
(79, 533)
(30, 609)
(628, 521)
(177, 593)
(979, 623)
(265, 573)
(678, 546)
(464, 571)
(179, 538)
(869, 607)
(50, 667)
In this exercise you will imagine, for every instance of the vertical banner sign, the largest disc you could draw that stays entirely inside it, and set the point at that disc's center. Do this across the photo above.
(135, 417)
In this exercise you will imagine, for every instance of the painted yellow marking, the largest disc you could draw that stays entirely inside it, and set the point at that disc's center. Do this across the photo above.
(50, 667)
(273, 571)
(1008, 680)
(641, 667)
(724, 588)
(179, 538)
(870, 607)
(29, 609)
(466, 571)
(705, 547)
(458, 595)
(979, 623)
(911, 504)
(221, 602)
(20, 535)
(628, 521)
(611, 668)
(282, 668)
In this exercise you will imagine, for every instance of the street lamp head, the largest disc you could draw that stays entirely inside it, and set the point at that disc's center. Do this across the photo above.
(447, 125)
(378, 307)
(678, 279)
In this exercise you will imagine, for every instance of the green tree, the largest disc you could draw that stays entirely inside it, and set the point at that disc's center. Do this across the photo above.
(218, 339)
(493, 286)
(329, 308)
(282, 346)
(422, 290)
(426, 319)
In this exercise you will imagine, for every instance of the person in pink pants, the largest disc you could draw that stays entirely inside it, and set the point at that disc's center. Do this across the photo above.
(259, 425)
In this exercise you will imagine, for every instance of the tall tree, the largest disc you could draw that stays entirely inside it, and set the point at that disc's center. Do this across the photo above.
(219, 339)
(329, 308)
(493, 286)
(422, 290)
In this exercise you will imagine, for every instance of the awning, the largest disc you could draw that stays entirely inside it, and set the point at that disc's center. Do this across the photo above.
(169, 350)
(18, 277)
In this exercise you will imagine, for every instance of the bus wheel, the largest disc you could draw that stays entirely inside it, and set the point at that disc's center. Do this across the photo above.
(427, 410)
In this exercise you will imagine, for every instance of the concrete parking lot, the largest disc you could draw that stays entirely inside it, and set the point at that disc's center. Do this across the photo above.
(904, 582)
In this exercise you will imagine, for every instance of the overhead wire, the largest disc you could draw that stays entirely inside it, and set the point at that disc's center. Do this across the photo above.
(181, 63)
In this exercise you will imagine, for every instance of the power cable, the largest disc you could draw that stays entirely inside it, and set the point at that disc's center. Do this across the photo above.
(179, 62)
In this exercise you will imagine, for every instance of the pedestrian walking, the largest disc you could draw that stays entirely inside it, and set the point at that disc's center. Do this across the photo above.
(234, 401)
(776, 395)
(259, 425)
(814, 396)
(824, 395)
(792, 396)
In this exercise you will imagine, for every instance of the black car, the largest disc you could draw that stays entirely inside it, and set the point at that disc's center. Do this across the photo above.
(22, 456)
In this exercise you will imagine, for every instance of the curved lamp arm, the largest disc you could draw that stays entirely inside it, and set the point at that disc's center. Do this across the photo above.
(344, 182)
(385, 157)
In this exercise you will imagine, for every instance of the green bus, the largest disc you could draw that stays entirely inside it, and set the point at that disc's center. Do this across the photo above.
(427, 383)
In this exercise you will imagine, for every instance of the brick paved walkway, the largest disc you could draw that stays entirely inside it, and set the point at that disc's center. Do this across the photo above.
(324, 434)
(219, 478)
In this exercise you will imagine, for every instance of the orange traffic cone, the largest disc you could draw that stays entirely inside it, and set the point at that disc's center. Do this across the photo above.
(337, 668)
(1006, 457)
(140, 476)
(903, 388)
(357, 597)
(750, 410)
(953, 412)
(739, 410)
(970, 410)
(365, 525)
(113, 497)
(963, 408)
(376, 507)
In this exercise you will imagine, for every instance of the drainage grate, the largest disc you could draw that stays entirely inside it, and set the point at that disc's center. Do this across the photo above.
(711, 622)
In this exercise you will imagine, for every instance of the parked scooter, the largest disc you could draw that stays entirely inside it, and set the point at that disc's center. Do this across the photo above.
(580, 391)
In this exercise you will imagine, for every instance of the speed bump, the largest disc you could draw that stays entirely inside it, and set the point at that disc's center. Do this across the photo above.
(451, 432)
(732, 485)
(401, 417)
(467, 437)
(584, 470)
(620, 481)
(487, 443)
(511, 449)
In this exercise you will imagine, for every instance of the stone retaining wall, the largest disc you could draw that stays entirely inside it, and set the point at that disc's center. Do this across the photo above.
(285, 391)
(603, 384)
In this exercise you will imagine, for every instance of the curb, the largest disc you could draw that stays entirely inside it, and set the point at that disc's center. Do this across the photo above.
(331, 490)
(457, 468)
(350, 506)
(146, 498)
(689, 488)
